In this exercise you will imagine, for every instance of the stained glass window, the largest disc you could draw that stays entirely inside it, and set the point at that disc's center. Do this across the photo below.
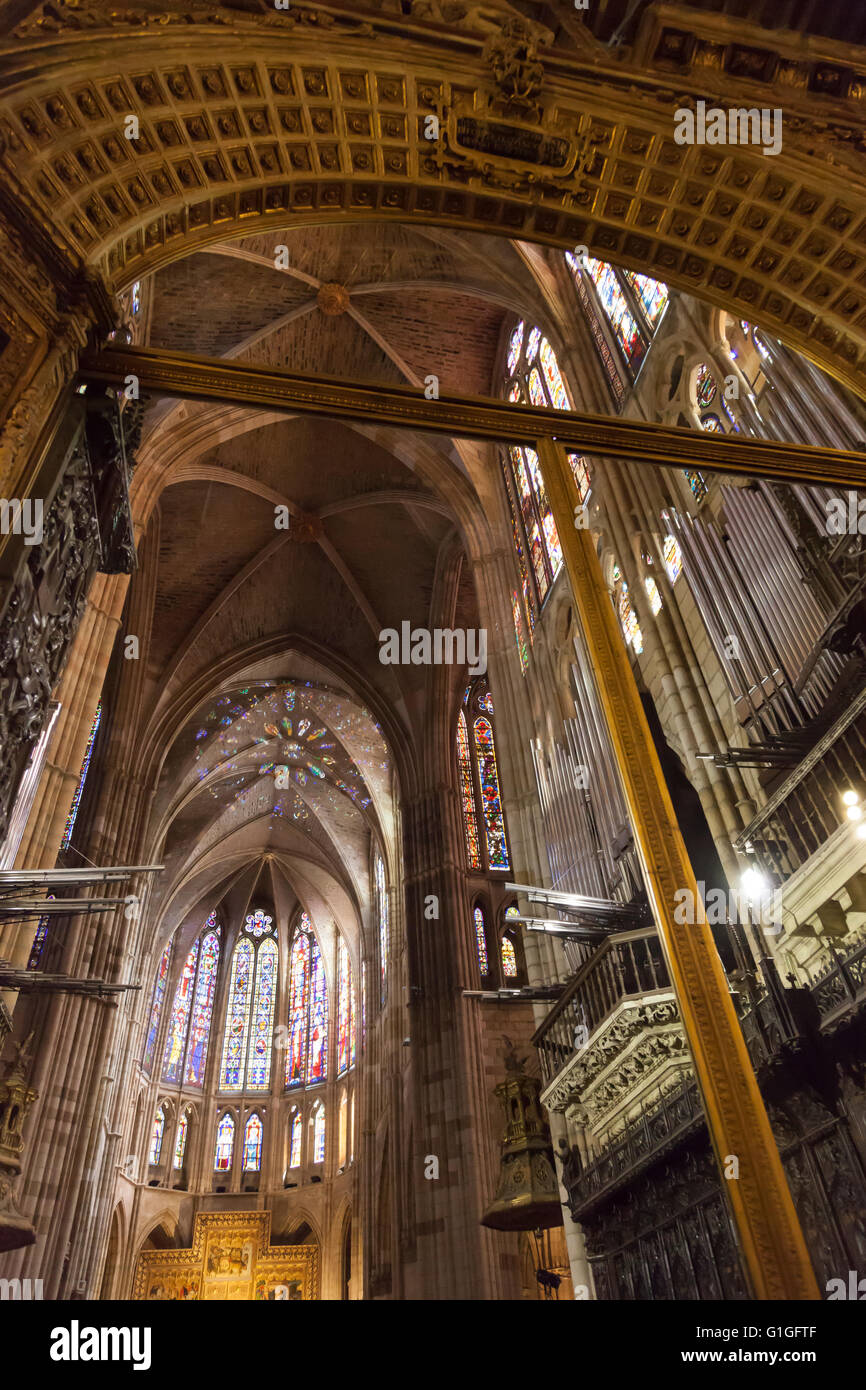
(318, 1063)
(609, 360)
(705, 386)
(382, 911)
(517, 618)
(536, 390)
(202, 1008)
(553, 377)
(40, 936)
(481, 941)
(253, 1145)
(299, 977)
(673, 558)
(249, 1018)
(232, 1067)
(345, 1010)
(180, 1141)
(491, 804)
(295, 1139)
(82, 777)
(156, 1135)
(697, 484)
(225, 1144)
(261, 1040)
(136, 297)
(257, 923)
(319, 1134)
(159, 985)
(651, 295)
(467, 797)
(344, 1127)
(514, 347)
(307, 1054)
(548, 526)
(175, 1042)
(653, 595)
(629, 338)
(712, 424)
(580, 471)
(630, 626)
(536, 542)
(509, 958)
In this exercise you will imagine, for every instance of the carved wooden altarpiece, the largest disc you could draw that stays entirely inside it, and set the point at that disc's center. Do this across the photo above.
(231, 1259)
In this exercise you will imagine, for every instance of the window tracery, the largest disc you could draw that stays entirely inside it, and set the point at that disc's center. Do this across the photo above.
(186, 1042)
(478, 781)
(156, 1137)
(249, 1016)
(307, 1052)
(481, 941)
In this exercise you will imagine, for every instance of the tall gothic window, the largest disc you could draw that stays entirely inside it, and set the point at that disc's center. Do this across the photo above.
(180, 1141)
(186, 1042)
(307, 1052)
(382, 914)
(156, 1136)
(467, 794)
(157, 997)
(707, 393)
(478, 780)
(631, 304)
(225, 1144)
(481, 941)
(345, 1010)
(631, 630)
(295, 1133)
(533, 375)
(82, 778)
(343, 1130)
(673, 557)
(249, 1019)
(253, 1145)
(507, 950)
(317, 1122)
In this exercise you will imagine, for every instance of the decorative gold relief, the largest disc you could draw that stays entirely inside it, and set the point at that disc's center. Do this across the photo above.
(230, 1259)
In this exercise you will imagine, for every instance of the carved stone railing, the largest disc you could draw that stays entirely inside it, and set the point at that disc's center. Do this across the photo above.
(658, 1128)
(840, 985)
(627, 965)
(767, 1027)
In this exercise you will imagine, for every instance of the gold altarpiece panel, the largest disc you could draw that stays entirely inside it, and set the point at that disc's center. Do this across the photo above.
(230, 1259)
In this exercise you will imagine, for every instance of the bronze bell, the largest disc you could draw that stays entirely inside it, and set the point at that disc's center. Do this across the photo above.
(527, 1197)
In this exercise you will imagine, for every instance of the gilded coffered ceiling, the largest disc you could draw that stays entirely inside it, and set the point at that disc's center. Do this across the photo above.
(254, 119)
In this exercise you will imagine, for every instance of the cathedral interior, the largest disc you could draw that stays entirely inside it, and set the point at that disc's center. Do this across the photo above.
(432, 650)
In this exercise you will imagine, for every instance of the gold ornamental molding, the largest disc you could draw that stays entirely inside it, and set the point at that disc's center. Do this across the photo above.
(468, 417)
(770, 1238)
(271, 120)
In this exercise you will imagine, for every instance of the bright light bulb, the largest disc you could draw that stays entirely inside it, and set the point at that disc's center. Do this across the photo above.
(850, 798)
(854, 812)
(753, 883)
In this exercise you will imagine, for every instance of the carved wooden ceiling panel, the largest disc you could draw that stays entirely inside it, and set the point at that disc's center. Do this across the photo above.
(241, 129)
